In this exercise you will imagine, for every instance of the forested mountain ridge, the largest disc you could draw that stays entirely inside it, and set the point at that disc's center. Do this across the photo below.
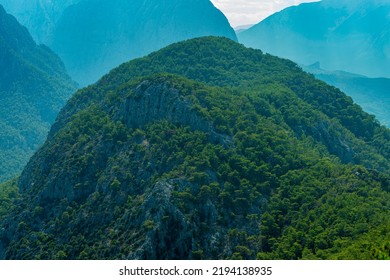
(232, 65)
(33, 88)
(371, 93)
(352, 36)
(94, 36)
(230, 154)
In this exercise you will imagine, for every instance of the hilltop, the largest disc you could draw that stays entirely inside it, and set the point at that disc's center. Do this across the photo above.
(205, 150)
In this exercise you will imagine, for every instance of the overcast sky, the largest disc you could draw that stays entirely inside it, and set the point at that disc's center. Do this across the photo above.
(242, 12)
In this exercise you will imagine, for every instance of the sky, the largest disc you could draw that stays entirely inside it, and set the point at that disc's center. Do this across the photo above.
(243, 12)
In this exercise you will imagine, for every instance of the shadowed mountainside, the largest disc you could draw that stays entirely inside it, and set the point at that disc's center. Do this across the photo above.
(33, 88)
(344, 35)
(231, 154)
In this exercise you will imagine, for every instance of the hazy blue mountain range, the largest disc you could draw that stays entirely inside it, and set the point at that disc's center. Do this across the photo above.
(373, 94)
(33, 88)
(39, 16)
(229, 154)
(242, 28)
(93, 36)
(352, 36)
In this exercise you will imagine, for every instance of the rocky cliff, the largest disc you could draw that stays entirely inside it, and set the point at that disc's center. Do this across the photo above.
(214, 163)
(152, 102)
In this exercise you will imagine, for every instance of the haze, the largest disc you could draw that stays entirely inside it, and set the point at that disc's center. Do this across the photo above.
(244, 12)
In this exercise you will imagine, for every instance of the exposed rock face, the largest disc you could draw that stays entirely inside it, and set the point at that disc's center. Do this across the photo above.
(134, 166)
(154, 102)
(171, 237)
(150, 102)
(165, 230)
(172, 234)
(337, 144)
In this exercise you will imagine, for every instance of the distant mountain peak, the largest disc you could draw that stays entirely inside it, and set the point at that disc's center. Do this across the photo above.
(94, 36)
(315, 65)
(342, 35)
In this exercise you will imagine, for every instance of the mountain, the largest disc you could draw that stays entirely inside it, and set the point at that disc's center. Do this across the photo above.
(352, 36)
(33, 88)
(371, 93)
(205, 150)
(241, 28)
(39, 16)
(94, 36)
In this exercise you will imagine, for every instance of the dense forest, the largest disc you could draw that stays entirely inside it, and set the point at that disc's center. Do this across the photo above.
(34, 87)
(370, 93)
(351, 41)
(204, 150)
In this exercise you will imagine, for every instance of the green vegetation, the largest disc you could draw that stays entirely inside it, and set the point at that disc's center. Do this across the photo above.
(33, 88)
(233, 155)
(8, 194)
(370, 93)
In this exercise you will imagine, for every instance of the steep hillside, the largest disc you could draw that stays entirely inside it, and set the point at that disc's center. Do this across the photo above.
(94, 36)
(371, 93)
(234, 154)
(8, 194)
(33, 88)
(344, 35)
(39, 16)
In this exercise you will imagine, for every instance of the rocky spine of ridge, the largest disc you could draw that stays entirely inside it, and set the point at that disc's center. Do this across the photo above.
(154, 102)
(131, 170)
(150, 102)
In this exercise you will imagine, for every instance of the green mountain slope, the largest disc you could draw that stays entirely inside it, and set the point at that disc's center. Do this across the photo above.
(233, 154)
(371, 93)
(33, 88)
(8, 194)
(39, 16)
